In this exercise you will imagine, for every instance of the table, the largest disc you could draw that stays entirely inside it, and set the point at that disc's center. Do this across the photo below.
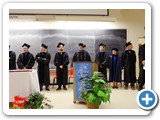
(23, 84)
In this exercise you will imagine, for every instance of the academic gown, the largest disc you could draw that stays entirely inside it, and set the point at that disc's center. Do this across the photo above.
(115, 67)
(25, 60)
(102, 61)
(62, 74)
(129, 64)
(141, 54)
(81, 55)
(12, 60)
(43, 59)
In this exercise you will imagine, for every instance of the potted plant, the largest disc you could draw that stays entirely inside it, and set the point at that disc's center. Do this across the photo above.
(97, 91)
(37, 101)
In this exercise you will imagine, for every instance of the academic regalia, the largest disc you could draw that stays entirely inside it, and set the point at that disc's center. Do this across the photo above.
(115, 67)
(129, 64)
(12, 60)
(25, 60)
(81, 55)
(141, 54)
(43, 59)
(62, 74)
(102, 61)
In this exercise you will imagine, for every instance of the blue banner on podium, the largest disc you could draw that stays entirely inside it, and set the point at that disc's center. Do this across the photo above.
(82, 69)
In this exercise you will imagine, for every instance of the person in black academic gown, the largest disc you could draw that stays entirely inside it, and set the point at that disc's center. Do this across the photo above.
(101, 60)
(141, 79)
(25, 59)
(115, 68)
(81, 54)
(12, 60)
(43, 59)
(61, 62)
(129, 65)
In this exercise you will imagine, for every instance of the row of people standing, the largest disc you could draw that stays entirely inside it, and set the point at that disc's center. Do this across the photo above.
(26, 60)
(126, 61)
(115, 63)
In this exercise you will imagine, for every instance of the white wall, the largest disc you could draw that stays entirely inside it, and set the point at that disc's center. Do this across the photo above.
(132, 20)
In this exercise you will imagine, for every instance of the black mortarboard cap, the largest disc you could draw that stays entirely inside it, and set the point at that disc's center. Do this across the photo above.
(116, 49)
(81, 44)
(128, 43)
(44, 46)
(60, 44)
(26, 45)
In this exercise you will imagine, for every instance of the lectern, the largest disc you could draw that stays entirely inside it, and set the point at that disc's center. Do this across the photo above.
(81, 69)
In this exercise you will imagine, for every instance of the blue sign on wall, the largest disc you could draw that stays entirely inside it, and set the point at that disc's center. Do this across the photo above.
(82, 69)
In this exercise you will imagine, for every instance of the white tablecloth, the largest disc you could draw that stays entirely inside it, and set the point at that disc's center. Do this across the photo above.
(22, 84)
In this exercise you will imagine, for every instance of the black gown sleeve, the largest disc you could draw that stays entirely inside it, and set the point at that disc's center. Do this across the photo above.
(20, 62)
(120, 62)
(141, 54)
(123, 59)
(31, 62)
(97, 60)
(134, 56)
(12, 60)
(66, 61)
(108, 61)
(47, 60)
(88, 57)
(56, 62)
(38, 59)
(75, 57)
(105, 62)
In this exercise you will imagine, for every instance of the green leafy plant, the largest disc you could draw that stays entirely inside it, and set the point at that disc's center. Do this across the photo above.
(37, 101)
(97, 90)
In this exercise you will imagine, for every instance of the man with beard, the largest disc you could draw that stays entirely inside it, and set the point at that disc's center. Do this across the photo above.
(61, 62)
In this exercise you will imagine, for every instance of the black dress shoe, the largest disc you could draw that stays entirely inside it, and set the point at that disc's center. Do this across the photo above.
(113, 87)
(58, 88)
(132, 88)
(126, 87)
(140, 88)
(116, 87)
(64, 88)
(47, 89)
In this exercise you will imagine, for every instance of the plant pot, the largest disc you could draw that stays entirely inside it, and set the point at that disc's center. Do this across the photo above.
(92, 106)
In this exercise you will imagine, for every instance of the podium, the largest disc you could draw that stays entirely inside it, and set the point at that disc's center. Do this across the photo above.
(81, 69)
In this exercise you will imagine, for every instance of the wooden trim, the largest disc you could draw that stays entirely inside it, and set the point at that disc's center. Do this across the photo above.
(74, 84)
